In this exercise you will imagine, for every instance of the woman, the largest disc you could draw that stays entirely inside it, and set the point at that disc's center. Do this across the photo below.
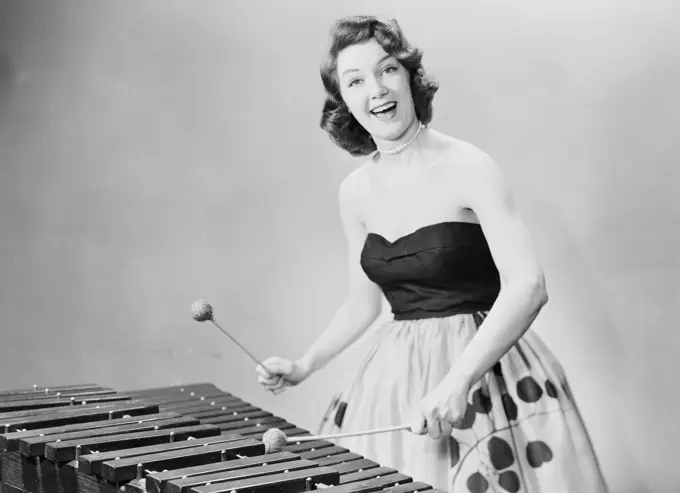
(431, 225)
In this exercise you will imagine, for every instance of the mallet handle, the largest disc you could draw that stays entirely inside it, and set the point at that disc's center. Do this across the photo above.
(348, 434)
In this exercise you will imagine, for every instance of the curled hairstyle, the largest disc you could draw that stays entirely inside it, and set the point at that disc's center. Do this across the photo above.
(336, 119)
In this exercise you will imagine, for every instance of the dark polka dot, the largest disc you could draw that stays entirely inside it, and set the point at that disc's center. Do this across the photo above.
(454, 451)
(550, 389)
(509, 406)
(509, 481)
(468, 419)
(497, 370)
(476, 483)
(538, 452)
(528, 390)
(500, 453)
(481, 402)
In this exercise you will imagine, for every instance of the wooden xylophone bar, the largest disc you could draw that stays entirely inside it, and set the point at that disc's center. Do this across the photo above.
(178, 439)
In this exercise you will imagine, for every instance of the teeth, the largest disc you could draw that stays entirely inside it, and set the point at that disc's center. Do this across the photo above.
(384, 107)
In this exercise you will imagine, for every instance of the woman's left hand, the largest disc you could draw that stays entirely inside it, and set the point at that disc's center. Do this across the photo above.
(443, 409)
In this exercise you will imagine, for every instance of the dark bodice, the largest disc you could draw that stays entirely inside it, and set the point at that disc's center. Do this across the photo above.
(439, 270)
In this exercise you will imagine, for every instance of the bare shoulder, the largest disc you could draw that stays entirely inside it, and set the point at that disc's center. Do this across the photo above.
(463, 156)
(469, 167)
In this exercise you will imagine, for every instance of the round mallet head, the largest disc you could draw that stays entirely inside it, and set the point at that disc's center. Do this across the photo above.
(201, 310)
(274, 440)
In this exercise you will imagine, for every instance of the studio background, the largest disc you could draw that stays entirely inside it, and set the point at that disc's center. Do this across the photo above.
(156, 152)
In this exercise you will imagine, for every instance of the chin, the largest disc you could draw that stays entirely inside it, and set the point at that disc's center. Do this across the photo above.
(393, 134)
(392, 130)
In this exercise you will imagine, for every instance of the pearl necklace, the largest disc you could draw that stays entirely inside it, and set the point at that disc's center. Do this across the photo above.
(403, 145)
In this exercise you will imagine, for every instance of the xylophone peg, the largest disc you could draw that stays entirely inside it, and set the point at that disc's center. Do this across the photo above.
(110, 414)
(140, 471)
(172, 437)
(7, 427)
(72, 401)
(79, 451)
(47, 391)
(156, 428)
(35, 387)
(223, 455)
(83, 402)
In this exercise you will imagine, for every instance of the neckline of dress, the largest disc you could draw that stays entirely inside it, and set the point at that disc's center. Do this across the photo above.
(423, 228)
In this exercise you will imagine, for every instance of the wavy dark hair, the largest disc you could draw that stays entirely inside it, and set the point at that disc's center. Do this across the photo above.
(336, 119)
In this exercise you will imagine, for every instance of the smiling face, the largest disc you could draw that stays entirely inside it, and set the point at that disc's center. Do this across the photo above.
(376, 89)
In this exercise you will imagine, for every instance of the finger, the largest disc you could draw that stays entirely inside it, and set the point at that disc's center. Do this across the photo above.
(283, 388)
(271, 380)
(446, 427)
(270, 383)
(277, 384)
(269, 369)
(262, 371)
(275, 366)
(434, 428)
(445, 421)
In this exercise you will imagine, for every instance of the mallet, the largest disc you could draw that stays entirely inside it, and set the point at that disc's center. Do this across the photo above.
(275, 440)
(202, 311)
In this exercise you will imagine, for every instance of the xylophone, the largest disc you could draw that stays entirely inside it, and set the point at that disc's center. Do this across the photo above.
(178, 439)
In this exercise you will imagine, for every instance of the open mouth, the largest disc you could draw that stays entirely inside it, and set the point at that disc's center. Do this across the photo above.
(384, 111)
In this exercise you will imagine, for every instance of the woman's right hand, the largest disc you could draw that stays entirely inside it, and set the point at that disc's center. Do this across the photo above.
(276, 373)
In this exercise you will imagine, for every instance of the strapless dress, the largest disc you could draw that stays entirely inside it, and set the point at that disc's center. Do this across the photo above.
(522, 432)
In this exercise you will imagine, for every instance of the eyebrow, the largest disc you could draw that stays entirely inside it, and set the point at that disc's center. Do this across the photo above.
(356, 70)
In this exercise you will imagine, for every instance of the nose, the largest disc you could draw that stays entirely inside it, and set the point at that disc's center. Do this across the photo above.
(376, 88)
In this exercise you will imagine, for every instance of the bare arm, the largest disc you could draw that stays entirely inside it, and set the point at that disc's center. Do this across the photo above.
(363, 303)
(523, 291)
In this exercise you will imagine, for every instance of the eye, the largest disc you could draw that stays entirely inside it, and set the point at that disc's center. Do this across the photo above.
(353, 81)
(389, 69)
